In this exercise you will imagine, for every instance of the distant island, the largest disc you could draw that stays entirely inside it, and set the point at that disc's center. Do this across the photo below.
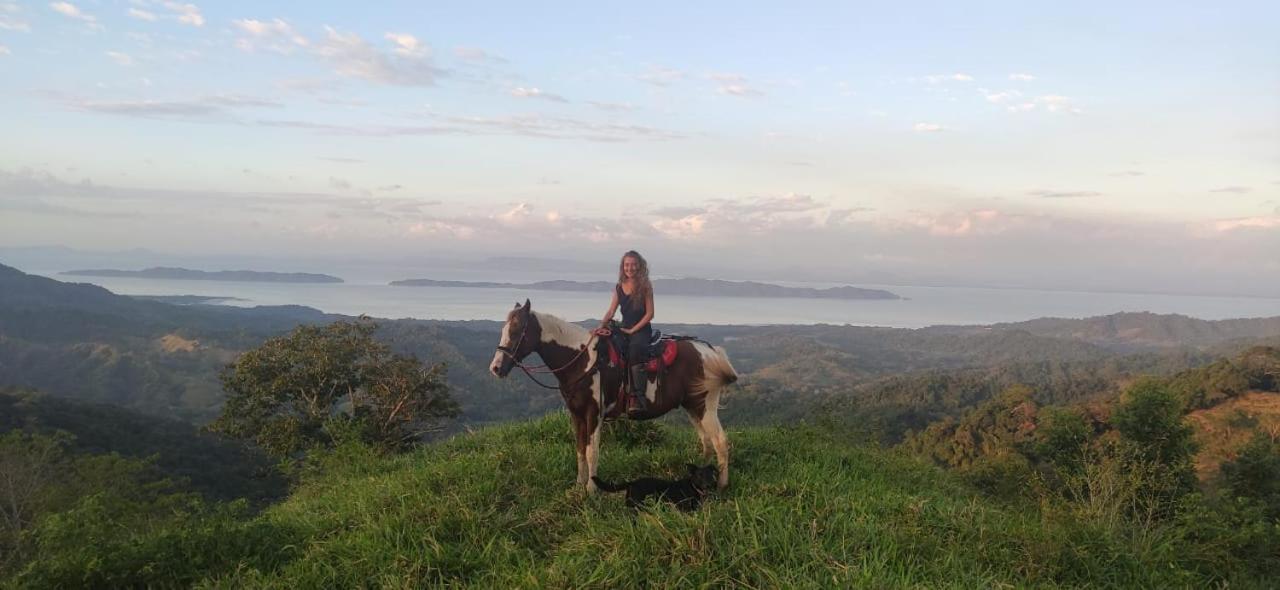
(185, 274)
(187, 299)
(690, 286)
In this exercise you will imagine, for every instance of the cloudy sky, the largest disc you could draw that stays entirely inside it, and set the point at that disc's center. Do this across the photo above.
(1082, 145)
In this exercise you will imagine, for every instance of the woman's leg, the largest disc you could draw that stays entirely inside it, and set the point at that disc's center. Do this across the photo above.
(637, 356)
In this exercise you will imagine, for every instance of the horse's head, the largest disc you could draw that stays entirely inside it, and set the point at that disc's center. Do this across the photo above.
(520, 335)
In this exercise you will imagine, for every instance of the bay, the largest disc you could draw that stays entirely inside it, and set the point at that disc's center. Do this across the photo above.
(923, 306)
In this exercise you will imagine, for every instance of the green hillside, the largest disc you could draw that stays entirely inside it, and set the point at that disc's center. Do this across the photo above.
(495, 509)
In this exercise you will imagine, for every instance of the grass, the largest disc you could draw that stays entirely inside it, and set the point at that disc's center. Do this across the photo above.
(497, 509)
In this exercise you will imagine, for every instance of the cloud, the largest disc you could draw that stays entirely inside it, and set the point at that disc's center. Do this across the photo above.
(1055, 104)
(187, 14)
(928, 128)
(686, 227)
(941, 78)
(738, 90)
(965, 224)
(678, 212)
(140, 14)
(732, 219)
(120, 58)
(407, 45)
(342, 160)
(1127, 173)
(534, 92)
(70, 10)
(1052, 103)
(4, 50)
(612, 106)
(1238, 190)
(536, 126)
(1246, 223)
(353, 57)
(477, 55)
(276, 35)
(9, 19)
(42, 207)
(1049, 194)
(339, 183)
(660, 76)
(1021, 77)
(734, 85)
(199, 109)
(1002, 96)
(516, 214)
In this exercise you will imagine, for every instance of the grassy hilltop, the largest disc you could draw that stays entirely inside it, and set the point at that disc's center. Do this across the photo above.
(494, 509)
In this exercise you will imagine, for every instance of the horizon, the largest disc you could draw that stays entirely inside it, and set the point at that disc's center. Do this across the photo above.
(1095, 148)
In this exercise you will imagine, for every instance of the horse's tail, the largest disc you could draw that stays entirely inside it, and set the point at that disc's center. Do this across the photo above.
(605, 486)
(717, 371)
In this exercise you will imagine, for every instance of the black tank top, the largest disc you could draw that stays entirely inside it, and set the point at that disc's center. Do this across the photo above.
(630, 316)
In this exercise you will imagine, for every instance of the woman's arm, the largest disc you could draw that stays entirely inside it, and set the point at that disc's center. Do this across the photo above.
(648, 314)
(613, 308)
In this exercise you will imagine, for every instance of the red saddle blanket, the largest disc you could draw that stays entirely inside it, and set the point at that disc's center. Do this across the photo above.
(665, 354)
(666, 357)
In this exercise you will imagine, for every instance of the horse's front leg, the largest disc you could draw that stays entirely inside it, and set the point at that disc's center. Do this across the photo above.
(581, 437)
(592, 424)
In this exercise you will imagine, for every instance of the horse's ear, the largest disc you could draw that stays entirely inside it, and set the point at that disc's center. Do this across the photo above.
(526, 306)
(516, 306)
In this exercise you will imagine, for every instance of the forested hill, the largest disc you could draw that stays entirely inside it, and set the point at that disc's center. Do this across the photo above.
(1149, 330)
(215, 467)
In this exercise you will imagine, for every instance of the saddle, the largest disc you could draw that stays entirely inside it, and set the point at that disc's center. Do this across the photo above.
(659, 355)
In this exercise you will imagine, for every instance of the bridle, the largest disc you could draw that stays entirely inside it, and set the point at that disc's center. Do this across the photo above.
(529, 370)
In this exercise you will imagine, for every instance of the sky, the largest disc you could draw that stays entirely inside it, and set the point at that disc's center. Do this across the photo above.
(1088, 145)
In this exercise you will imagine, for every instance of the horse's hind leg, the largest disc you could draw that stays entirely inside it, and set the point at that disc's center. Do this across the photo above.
(696, 420)
(711, 426)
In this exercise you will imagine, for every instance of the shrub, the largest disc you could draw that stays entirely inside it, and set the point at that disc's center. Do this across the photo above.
(1255, 474)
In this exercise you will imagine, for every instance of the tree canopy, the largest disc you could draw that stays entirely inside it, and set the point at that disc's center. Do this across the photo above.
(300, 390)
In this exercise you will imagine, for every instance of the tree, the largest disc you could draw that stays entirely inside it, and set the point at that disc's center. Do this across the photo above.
(1154, 439)
(283, 393)
(1150, 416)
(28, 468)
(1255, 473)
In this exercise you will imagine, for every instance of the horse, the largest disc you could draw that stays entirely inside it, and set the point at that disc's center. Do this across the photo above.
(694, 381)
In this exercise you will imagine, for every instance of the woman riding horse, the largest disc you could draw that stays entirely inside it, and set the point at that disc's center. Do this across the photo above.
(634, 295)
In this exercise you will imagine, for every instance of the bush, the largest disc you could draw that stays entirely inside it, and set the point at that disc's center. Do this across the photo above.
(1255, 474)
(1150, 422)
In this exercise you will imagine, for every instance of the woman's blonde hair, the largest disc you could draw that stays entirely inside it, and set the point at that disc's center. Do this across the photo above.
(642, 287)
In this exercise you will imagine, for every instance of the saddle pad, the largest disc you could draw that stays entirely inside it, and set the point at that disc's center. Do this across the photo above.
(666, 357)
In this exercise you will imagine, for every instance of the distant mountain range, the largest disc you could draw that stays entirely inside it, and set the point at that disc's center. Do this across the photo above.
(688, 286)
(185, 274)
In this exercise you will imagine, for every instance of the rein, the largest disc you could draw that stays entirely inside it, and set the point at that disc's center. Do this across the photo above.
(545, 369)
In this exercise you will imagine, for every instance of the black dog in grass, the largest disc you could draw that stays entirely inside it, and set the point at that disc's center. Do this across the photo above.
(685, 493)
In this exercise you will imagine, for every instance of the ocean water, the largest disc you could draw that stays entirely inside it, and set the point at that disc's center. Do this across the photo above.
(923, 306)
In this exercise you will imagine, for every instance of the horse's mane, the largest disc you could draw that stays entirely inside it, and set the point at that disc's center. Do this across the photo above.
(557, 330)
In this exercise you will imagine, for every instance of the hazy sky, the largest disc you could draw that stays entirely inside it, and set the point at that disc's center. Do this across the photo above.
(1093, 145)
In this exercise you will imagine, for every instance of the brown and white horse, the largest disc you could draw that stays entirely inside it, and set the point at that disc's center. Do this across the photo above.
(694, 381)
